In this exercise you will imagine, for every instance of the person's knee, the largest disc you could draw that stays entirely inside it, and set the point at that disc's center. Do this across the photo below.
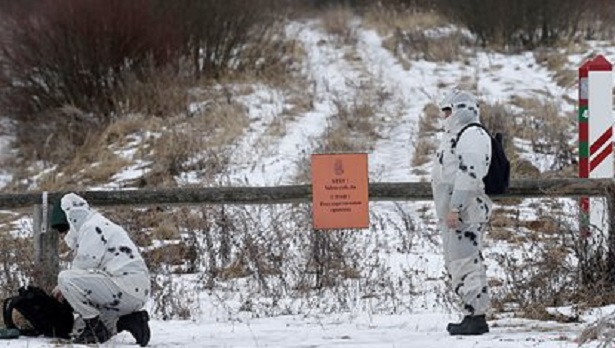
(66, 279)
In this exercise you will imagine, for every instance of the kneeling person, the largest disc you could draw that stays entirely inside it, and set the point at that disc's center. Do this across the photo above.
(108, 283)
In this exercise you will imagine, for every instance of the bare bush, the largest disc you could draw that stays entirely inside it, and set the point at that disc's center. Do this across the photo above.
(272, 254)
(16, 262)
(547, 129)
(101, 59)
(216, 33)
(553, 269)
(77, 53)
(65, 62)
(525, 24)
(172, 299)
(272, 56)
(599, 20)
(54, 135)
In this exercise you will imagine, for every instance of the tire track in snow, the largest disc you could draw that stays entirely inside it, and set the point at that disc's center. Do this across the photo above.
(410, 91)
(498, 78)
(330, 75)
(264, 106)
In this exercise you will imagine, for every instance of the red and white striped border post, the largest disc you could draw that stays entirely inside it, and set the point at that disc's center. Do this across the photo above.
(595, 135)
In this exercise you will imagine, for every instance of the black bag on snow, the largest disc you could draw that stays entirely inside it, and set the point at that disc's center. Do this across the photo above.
(47, 316)
(497, 179)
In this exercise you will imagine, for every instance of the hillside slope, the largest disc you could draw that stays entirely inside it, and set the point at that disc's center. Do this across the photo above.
(362, 97)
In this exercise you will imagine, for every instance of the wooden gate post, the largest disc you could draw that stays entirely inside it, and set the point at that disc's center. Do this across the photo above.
(46, 258)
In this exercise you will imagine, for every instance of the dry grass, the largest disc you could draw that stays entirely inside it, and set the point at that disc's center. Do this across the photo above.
(340, 140)
(276, 60)
(524, 169)
(354, 127)
(392, 44)
(428, 123)
(551, 58)
(551, 266)
(547, 129)
(406, 35)
(556, 61)
(16, 262)
(173, 145)
(498, 119)
(386, 20)
(162, 94)
(120, 133)
(424, 150)
(237, 269)
(299, 96)
(97, 160)
(85, 170)
(177, 150)
(337, 21)
(408, 46)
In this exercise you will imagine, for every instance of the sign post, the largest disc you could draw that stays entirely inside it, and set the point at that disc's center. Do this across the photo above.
(340, 194)
(595, 135)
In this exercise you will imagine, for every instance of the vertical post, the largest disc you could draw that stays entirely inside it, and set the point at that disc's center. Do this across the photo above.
(46, 259)
(600, 109)
(583, 146)
(610, 199)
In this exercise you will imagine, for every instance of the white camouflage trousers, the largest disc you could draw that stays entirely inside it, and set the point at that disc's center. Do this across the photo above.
(464, 263)
(94, 294)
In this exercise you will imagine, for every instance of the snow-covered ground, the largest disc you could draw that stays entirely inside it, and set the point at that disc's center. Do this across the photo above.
(260, 162)
(422, 330)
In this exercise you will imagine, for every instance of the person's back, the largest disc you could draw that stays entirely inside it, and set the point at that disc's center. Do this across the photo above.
(104, 245)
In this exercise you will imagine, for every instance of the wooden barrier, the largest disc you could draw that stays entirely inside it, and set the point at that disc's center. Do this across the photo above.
(402, 191)
(46, 243)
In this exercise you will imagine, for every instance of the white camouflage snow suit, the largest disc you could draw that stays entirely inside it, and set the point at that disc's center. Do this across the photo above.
(457, 174)
(108, 277)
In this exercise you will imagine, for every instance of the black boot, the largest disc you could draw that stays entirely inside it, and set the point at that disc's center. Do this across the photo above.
(137, 324)
(470, 325)
(94, 331)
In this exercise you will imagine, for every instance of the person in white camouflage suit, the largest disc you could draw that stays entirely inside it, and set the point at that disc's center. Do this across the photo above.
(108, 283)
(462, 207)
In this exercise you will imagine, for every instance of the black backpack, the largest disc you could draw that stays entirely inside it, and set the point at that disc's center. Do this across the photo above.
(497, 179)
(47, 316)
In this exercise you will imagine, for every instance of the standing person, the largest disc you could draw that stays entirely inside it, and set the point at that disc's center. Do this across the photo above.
(108, 283)
(462, 207)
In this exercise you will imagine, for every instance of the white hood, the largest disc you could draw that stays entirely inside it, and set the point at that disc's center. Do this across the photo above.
(77, 211)
(464, 108)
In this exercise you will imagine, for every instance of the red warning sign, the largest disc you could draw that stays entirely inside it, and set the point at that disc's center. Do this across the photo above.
(340, 196)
